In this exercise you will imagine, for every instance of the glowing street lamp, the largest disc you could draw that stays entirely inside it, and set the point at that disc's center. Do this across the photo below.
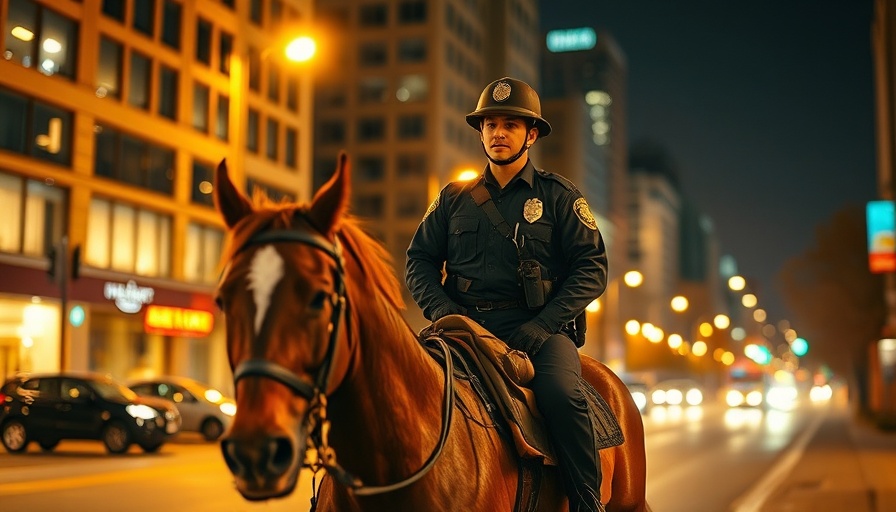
(301, 49)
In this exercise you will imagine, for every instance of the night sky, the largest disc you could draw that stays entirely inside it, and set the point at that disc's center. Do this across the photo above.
(765, 106)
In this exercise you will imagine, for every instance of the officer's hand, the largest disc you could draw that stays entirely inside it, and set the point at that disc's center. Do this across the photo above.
(529, 338)
(449, 308)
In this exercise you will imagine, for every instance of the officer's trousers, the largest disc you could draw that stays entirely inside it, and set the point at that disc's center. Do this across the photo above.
(562, 402)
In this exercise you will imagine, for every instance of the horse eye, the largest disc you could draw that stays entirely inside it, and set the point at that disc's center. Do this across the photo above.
(318, 301)
(219, 302)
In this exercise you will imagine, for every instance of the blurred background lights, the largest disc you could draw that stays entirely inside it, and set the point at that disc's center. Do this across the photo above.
(467, 175)
(51, 45)
(799, 347)
(633, 278)
(679, 303)
(593, 306)
(674, 341)
(737, 283)
(721, 321)
(22, 33)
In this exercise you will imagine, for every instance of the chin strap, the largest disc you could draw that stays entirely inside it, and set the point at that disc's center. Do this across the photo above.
(508, 161)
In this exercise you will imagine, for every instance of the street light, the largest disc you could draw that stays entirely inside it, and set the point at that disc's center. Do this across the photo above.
(610, 346)
(246, 62)
(301, 49)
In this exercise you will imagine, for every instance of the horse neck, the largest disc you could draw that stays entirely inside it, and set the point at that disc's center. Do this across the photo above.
(386, 414)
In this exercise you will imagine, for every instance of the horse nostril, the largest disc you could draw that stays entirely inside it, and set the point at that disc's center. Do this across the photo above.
(282, 454)
(228, 450)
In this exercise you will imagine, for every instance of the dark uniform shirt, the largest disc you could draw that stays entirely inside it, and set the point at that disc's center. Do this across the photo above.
(482, 264)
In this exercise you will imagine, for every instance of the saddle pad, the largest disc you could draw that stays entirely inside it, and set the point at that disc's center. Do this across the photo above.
(505, 372)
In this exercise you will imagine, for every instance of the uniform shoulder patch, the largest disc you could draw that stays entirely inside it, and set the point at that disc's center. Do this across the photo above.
(432, 207)
(583, 212)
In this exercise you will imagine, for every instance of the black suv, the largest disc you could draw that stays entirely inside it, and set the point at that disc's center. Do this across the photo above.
(48, 408)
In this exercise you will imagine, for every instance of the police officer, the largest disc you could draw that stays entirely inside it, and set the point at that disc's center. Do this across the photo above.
(523, 257)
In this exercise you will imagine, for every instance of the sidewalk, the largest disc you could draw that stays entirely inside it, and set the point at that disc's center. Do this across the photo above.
(848, 465)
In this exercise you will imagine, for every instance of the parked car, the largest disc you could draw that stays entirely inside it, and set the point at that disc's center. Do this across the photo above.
(204, 409)
(677, 392)
(48, 408)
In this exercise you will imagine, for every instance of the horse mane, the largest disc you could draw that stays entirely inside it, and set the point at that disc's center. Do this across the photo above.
(371, 255)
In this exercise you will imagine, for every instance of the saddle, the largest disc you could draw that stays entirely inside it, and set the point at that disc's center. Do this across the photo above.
(499, 375)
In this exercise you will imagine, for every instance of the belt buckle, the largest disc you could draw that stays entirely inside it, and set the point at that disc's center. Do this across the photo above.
(485, 306)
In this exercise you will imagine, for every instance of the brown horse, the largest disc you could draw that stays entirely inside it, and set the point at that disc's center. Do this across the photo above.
(325, 365)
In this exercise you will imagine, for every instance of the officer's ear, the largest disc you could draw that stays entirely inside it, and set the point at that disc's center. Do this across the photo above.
(532, 136)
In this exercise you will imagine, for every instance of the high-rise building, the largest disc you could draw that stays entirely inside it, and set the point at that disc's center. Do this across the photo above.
(401, 78)
(113, 116)
(584, 79)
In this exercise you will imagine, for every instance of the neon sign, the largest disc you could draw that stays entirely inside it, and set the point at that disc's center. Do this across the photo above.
(129, 298)
(571, 39)
(170, 321)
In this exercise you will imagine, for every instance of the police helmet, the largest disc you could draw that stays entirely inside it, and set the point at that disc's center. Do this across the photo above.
(509, 97)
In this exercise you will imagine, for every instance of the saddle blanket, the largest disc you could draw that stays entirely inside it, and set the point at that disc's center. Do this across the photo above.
(504, 373)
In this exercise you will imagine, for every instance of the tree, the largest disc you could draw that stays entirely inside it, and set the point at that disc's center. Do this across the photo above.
(836, 302)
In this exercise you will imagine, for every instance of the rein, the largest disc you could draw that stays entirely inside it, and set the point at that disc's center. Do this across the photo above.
(315, 392)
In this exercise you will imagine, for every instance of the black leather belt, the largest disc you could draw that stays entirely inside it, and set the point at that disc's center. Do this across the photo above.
(494, 305)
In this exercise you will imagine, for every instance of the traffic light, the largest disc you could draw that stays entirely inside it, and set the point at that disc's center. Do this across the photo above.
(53, 258)
(76, 262)
(799, 347)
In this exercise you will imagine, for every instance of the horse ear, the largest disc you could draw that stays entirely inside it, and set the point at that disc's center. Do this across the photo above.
(331, 201)
(232, 205)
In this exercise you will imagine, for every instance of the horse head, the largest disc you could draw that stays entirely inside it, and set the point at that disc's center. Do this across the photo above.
(282, 292)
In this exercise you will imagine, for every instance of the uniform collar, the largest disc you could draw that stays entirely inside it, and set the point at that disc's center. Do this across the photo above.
(527, 174)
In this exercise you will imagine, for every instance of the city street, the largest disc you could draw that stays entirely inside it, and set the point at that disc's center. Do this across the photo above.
(700, 459)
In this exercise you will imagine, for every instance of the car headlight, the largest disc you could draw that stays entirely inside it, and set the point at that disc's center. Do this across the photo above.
(754, 398)
(734, 398)
(144, 412)
(228, 408)
(673, 397)
(694, 396)
(640, 399)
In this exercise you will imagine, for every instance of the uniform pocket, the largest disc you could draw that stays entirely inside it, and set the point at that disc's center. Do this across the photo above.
(462, 239)
(537, 241)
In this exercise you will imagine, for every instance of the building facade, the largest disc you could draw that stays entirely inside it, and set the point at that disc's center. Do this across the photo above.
(584, 77)
(401, 77)
(114, 116)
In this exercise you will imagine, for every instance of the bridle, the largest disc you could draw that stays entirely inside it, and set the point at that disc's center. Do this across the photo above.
(315, 392)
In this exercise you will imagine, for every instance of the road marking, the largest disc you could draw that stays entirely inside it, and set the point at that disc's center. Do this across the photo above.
(74, 482)
(753, 500)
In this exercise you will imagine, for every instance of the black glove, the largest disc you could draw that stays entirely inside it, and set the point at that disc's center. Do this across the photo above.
(449, 308)
(529, 338)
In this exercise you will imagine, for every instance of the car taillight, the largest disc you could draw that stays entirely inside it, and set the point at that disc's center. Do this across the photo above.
(3, 397)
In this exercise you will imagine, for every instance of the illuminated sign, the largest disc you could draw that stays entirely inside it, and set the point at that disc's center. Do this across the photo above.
(170, 321)
(571, 39)
(76, 316)
(881, 236)
(129, 298)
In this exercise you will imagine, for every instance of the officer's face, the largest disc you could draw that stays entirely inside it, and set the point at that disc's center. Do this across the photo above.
(503, 136)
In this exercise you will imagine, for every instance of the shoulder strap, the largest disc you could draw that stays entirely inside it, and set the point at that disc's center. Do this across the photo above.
(484, 200)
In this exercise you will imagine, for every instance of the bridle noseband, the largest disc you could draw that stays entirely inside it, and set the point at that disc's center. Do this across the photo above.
(316, 393)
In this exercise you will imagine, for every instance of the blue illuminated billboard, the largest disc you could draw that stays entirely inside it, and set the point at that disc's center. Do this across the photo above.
(571, 39)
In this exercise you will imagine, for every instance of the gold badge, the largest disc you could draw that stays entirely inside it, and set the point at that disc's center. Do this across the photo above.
(532, 210)
(431, 208)
(501, 91)
(583, 212)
